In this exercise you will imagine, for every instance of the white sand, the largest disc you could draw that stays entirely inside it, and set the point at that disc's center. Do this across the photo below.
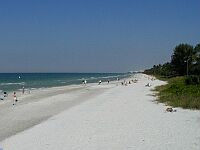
(32, 109)
(122, 117)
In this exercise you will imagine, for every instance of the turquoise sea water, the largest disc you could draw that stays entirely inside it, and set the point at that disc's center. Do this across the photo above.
(15, 81)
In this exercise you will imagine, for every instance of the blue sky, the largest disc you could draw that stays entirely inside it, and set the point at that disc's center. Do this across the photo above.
(93, 35)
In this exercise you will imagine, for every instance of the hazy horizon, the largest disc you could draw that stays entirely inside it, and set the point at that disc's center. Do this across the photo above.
(93, 36)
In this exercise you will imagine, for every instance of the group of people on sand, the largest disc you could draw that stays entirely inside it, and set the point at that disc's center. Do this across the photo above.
(14, 97)
(108, 81)
(85, 81)
(152, 78)
(128, 82)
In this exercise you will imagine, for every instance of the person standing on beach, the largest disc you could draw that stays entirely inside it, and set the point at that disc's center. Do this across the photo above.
(14, 98)
(23, 90)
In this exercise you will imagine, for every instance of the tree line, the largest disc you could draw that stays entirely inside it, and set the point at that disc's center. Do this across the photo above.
(185, 60)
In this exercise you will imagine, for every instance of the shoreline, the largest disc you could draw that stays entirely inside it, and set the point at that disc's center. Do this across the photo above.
(60, 82)
(30, 92)
(56, 99)
(111, 117)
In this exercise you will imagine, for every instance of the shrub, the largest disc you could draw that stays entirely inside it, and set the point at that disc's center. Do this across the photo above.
(192, 80)
(179, 94)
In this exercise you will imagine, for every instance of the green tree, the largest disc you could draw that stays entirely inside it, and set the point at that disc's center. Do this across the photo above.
(196, 66)
(167, 70)
(182, 56)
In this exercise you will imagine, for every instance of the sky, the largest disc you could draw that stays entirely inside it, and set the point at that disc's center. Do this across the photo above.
(93, 35)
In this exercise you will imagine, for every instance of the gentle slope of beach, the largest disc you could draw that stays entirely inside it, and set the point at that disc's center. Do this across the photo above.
(41, 104)
(118, 117)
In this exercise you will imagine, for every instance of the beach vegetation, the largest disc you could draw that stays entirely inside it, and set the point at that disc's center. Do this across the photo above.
(178, 93)
(182, 75)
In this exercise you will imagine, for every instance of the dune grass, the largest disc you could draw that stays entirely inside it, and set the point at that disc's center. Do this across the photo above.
(178, 94)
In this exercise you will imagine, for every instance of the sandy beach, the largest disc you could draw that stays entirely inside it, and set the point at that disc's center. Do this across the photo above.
(96, 117)
(41, 104)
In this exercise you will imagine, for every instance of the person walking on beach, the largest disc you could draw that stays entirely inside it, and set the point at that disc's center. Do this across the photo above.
(14, 98)
(84, 82)
(99, 82)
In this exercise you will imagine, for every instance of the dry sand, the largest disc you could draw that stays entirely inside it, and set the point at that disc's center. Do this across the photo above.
(118, 118)
(32, 109)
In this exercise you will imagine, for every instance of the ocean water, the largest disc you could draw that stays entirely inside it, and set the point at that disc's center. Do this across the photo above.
(16, 81)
